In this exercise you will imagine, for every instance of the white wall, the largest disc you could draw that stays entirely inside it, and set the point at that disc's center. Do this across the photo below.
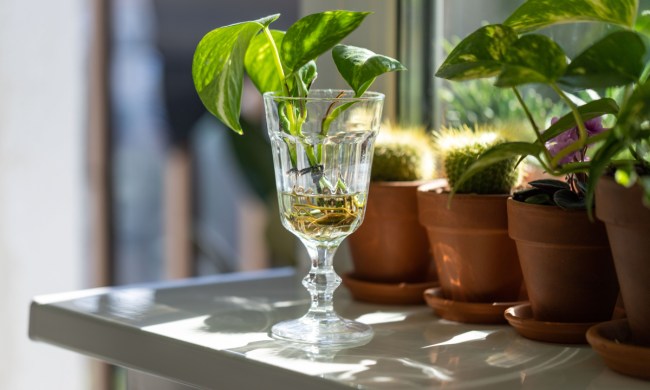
(42, 119)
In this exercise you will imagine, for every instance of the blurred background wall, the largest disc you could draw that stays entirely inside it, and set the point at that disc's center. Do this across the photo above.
(43, 78)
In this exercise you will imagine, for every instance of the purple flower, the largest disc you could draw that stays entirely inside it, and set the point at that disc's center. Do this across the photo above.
(554, 145)
(594, 126)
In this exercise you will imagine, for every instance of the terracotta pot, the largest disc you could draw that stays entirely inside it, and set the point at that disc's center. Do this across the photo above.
(475, 259)
(390, 246)
(628, 228)
(566, 261)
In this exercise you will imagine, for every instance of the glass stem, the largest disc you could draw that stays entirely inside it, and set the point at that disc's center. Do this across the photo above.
(322, 280)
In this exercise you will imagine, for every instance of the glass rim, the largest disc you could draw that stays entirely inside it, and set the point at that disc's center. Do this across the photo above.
(348, 96)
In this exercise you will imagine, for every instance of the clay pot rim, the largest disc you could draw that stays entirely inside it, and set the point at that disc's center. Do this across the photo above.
(544, 209)
(429, 189)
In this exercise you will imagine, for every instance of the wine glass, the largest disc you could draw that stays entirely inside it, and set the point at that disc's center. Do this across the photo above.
(322, 155)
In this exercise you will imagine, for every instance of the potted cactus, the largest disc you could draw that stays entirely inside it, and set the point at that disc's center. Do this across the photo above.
(390, 247)
(475, 259)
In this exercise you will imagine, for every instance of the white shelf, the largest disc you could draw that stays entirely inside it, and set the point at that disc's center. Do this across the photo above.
(211, 332)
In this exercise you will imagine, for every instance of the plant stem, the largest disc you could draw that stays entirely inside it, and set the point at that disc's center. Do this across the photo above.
(278, 67)
(538, 134)
(527, 111)
(582, 131)
(294, 126)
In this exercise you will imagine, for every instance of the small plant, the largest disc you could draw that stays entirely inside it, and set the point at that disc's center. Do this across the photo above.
(402, 155)
(283, 62)
(555, 193)
(569, 194)
(513, 55)
(460, 148)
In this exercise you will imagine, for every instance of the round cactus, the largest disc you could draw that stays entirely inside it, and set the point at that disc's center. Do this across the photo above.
(402, 155)
(460, 148)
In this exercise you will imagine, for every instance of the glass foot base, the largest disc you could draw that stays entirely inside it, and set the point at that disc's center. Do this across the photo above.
(323, 332)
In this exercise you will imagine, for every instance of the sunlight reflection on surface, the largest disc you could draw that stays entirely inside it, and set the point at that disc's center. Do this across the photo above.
(380, 317)
(473, 335)
(432, 372)
(194, 330)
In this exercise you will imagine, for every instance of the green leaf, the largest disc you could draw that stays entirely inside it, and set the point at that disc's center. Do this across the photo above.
(616, 59)
(315, 34)
(299, 82)
(260, 62)
(593, 109)
(522, 195)
(550, 185)
(479, 55)
(532, 59)
(359, 67)
(642, 24)
(635, 110)
(267, 20)
(535, 14)
(599, 164)
(541, 199)
(218, 69)
(496, 154)
(626, 176)
(568, 200)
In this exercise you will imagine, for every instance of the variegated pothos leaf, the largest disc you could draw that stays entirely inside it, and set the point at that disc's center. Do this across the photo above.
(315, 34)
(479, 55)
(218, 68)
(532, 58)
(535, 14)
(616, 59)
(359, 67)
(260, 64)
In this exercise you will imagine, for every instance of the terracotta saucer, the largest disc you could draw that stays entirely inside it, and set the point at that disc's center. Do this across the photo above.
(611, 340)
(386, 293)
(468, 312)
(521, 318)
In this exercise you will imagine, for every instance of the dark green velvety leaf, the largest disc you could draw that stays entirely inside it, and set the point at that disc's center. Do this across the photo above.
(522, 195)
(479, 55)
(218, 69)
(260, 64)
(532, 59)
(615, 60)
(498, 153)
(568, 200)
(593, 109)
(359, 67)
(315, 34)
(535, 14)
(542, 199)
(550, 186)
